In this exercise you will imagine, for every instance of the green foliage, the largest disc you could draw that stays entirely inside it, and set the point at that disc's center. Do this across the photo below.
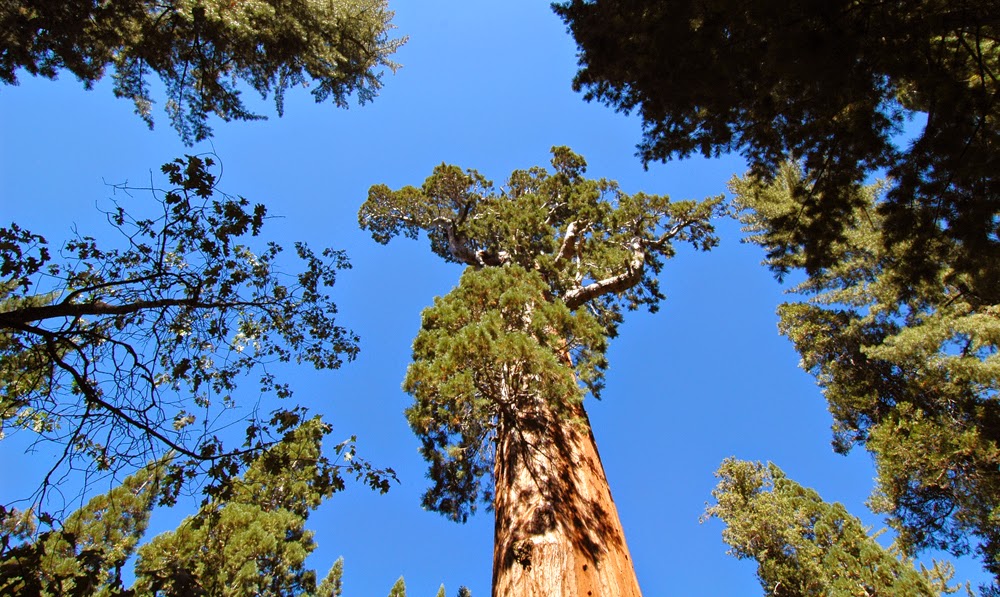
(84, 557)
(591, 243)
(203, 51)
(464, 592)
(828, 83)
(250, 539)
(909, 371)
(332, 585)
(398, 589)
(120, 354)
(483, 351)
(554, 259)
(805, 546)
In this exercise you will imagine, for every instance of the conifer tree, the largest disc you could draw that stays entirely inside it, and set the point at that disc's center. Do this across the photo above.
(398, 588)
(910, 371)
(204, 52)
(332, 585)
(831, 84)
(250, 539)
(554, 260)
(805, 546)
(85, 556)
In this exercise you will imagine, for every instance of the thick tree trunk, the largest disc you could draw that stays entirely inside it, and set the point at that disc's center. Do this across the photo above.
(557, 528)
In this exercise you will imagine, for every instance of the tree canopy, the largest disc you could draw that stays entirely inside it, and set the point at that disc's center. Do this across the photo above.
(127, 351)
(832, 85)
(910, 372)
(249, 538)
(203, 51)
(805, 546)
(87, 554)
(554, 258)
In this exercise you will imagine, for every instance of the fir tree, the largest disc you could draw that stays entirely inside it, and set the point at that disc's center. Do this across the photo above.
(910, 371)
(398, 589)
(86, 555)
(805, 546)
(554, 259)
(250, 539)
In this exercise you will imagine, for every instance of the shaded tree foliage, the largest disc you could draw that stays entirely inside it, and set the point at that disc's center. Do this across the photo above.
(119, 354)
(203, 51)
(830, 84)
(805, 546)
(910, 372)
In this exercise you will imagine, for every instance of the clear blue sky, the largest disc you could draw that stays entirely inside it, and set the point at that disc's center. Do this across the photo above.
(487, 86)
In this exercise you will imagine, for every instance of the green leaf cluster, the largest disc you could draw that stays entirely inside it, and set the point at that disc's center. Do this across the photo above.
(592, 244)
(910, 371)
(204, 51)
(805, 546)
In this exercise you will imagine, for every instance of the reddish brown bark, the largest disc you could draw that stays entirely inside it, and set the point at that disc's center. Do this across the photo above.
(557, 529)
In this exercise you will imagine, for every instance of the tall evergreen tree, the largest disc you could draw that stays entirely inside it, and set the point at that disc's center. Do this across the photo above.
(203, 51)
(911, 372)
(805, 546)
(250, 539)
(554, 259)
(86, 555)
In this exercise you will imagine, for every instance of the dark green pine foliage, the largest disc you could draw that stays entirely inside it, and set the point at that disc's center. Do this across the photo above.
(805, 546)
(554, 259)
(250, 539)
(911, 372)
(829, 83)
(204, 51)
(464, 592)
(85, 556)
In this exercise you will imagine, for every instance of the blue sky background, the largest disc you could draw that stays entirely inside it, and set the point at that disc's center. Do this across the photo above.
(486, 86)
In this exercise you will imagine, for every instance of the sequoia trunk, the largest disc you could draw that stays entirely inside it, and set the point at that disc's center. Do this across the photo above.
(557, 528)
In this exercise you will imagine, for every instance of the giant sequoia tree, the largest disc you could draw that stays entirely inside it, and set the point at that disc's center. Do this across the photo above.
(829, 83)
(203, 50)
(910, 372)
(554, 259)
